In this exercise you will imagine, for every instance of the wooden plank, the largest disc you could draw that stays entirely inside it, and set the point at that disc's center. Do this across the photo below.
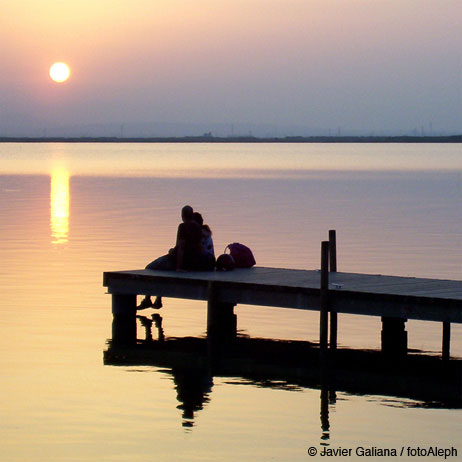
(373, 295)
(437, 290)
(396, 306)
(366, 279)
(249, 278)
(401, 286)
(395, 279)
(429, 292)
(311, 279)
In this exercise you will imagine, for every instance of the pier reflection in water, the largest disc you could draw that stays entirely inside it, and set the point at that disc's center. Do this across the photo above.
(415, 381)
(192, 385)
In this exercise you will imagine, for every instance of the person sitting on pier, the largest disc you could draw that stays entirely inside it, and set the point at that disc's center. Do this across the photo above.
(185, 256)
(207, 250)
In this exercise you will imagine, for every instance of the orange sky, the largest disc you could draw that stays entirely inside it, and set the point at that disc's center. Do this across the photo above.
(352, 63)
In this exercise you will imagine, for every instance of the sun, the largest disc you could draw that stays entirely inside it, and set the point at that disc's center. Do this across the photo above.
(59, 72)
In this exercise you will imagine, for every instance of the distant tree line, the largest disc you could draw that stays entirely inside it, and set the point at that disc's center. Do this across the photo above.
(209, 138)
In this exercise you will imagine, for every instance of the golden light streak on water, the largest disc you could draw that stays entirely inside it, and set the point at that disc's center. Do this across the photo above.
(59, 205)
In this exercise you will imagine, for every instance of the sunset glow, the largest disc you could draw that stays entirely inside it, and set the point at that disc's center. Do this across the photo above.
(59, 72)
(59, 205)
(175, 68)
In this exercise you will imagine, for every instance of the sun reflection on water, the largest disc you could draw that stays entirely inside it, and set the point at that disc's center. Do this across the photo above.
(59, 205)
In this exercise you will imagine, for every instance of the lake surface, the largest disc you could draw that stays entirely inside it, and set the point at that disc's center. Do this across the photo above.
(71, 211)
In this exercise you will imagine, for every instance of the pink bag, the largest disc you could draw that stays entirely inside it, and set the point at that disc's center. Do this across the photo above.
(242, 255)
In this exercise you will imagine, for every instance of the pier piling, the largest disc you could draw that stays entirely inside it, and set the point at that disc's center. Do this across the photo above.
(124, 319)
(221, 321)
(333, 269)
(394, 337)
(393, 298)
(324, 309)
(446, 340)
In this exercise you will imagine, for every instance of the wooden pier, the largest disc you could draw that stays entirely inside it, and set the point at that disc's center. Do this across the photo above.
(394, 299)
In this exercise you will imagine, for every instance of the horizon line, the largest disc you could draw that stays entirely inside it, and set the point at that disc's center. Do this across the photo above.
(208, 138)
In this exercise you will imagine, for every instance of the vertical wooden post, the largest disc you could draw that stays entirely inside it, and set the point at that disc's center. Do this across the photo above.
(324, 309)
(221, 322)
(211, 309)
(394, 337)
(333, 269)
(333, 251)
(446, 340)
(124, 319)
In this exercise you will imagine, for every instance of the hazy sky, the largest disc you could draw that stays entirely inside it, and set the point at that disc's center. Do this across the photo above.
(356, 64)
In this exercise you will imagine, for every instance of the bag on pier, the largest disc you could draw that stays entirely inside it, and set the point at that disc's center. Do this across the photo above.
(225, 262)
(242, 255)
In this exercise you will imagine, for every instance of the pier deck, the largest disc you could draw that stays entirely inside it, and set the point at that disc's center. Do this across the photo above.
(353, 293)
(395, 299)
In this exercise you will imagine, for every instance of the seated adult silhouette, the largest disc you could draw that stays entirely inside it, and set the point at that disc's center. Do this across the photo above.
(185, 256)
(207, 250)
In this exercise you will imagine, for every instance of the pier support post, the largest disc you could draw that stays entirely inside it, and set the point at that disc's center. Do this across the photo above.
(333, 269)
(221, 321)
(324, 309)
(446, 340)
(394, 336)
(124, 319)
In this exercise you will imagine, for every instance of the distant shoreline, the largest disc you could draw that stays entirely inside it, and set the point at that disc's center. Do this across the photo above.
(240, 139)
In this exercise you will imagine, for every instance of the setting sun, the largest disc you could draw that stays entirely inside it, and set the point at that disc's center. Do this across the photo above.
(59, 72)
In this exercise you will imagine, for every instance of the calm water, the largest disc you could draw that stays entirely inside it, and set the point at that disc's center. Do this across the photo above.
(69, 212)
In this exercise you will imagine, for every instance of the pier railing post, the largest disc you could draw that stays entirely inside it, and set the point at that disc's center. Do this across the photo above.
(446, 340)
(332, 251)
(324, 309)
(333, 269)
